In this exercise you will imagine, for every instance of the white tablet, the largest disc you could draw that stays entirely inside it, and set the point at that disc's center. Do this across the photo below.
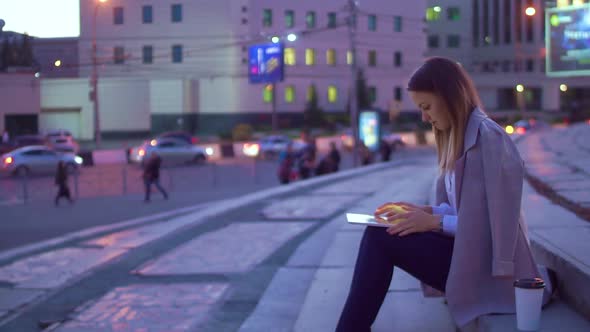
(364, 219)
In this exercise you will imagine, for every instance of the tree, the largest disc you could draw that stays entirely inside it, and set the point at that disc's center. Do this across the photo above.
(313, 116)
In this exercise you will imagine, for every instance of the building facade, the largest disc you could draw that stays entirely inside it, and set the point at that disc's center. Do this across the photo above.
(503, 46)
(166, 65)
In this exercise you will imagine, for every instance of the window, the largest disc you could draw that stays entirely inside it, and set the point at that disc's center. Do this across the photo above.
(507, 26)
(372, 58)
(349, 57)
(119, 55)
(496, 21)
(397, 59)
(453, 41)
(397, 24)
(244, 9)
(530, 65)
(475, 24)
(267, 18)
(433, 41)
(506, 66)
(289, 18)
(290, 94)
(372, 94)
(331, 57)
(332, 94)
(433, 13)
(267, 93)
(148, 54)
(310, 20)
(118, 15)
(372, 22)
(453, 13)
(176, 53)
(289, 56)
(176, 13)
(311, 93)
(397, 93)
(309, 56)
(147, 14)
(331, 20)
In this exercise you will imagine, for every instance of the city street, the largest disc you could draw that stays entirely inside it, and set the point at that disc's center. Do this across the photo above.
(102, 199)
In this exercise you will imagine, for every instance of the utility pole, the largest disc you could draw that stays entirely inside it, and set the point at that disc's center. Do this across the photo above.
(94, 82)
(352, 6)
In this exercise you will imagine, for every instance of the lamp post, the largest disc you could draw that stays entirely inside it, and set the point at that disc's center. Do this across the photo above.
(94, 78)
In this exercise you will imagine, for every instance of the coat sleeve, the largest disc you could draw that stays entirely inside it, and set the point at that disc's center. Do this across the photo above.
(503, 178)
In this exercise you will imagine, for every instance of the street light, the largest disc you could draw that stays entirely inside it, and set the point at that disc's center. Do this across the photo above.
(57, 63)
(530, 11)
(563, 87)
(94, 78)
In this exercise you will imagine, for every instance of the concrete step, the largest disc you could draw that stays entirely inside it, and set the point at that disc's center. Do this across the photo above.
(558, 316)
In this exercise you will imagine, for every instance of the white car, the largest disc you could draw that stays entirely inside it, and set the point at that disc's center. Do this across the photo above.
(62, 141)
(37, 159)
(171, 150)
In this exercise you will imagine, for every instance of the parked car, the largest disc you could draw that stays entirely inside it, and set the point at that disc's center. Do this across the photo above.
(171, 150)
(37, 159)
(270, 147)
(21, 141)
(521, 127)
(62, 141)
(180, 135)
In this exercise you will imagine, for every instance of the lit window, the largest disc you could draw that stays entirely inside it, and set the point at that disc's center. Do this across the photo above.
(147, 14)
(148, 54)
(331, 57)
(331, 20)
(267, 93)
(118, 15)
(433, 13)
(289, 18)
(309, 56)
(290, 56)
(177, 53)
(176, 11)
(310, 20)
(290, 94)
(453, 14)
(563, 3)
(119, 55)
(397, 24)
(372, 22)
(453, 41)
(349, 57)
(332, 94)
(267, 18)
(372, 58)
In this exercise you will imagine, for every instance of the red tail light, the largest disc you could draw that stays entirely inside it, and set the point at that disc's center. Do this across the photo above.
(194, 140)
(520, 130)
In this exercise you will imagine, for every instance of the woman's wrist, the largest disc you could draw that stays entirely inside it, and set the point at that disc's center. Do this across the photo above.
(437, 223)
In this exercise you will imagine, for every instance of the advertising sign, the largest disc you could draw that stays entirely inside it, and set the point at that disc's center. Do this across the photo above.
(369, 129)
(567, 40)
(266, 63)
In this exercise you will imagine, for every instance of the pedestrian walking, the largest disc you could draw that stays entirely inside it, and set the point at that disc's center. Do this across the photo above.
(366, 155)
(151, 175)
(476, 224)
(307, 157)
(286, 163)
(385, 149)
(334, 157)
(61, 180)
(5, 137)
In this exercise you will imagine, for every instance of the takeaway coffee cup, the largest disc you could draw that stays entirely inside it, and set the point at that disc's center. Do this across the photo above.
(529, 299)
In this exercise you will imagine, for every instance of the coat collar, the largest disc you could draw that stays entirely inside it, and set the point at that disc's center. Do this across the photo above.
(475, 119)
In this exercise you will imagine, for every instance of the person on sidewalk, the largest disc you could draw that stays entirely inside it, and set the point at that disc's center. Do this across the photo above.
(286, 162)
(385, 150)
(472, 245)
(151, 175)
(61, 180)
(334, 157)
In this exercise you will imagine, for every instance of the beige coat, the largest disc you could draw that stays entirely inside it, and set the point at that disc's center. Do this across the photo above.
(491, 248)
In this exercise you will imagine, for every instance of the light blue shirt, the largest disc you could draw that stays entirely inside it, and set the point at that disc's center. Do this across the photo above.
(448, 212)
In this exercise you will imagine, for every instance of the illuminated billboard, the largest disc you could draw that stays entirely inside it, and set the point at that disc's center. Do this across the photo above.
(266, 63)
(369, 129)
(567, 41)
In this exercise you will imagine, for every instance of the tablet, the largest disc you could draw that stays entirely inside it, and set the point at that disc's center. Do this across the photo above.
(364, 219)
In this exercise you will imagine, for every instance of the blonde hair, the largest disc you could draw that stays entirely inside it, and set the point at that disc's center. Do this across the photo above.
(449, 81)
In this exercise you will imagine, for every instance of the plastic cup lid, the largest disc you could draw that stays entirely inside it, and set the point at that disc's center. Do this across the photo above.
(533, 283)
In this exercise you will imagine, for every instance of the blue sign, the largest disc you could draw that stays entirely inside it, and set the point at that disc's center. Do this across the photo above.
(568, 41)
(266, 63)
(369, 129)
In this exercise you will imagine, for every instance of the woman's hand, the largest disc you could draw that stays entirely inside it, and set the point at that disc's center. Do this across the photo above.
(385, 211)
(416, 221)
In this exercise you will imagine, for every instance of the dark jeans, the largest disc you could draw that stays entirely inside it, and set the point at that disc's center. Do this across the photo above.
(63, 191)
(426, 256)
(148, 188)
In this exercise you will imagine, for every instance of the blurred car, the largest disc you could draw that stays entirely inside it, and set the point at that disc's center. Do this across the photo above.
(62, 141)
(269, 147)
(180, 135)
(521, 127)
(171, 150)
(37, 159)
